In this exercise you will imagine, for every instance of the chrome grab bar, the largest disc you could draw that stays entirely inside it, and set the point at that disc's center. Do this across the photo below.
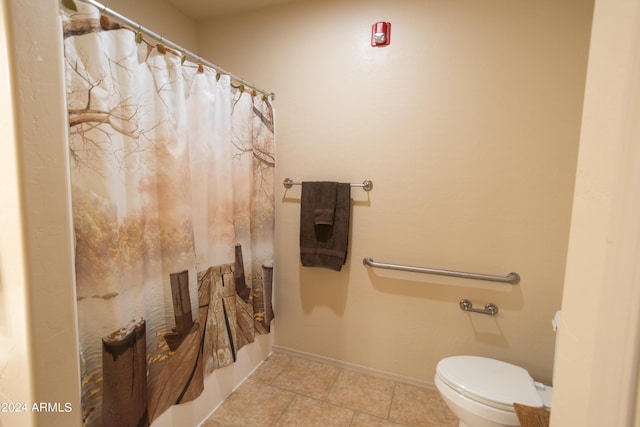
(511, 278)
(367, 185)
(491, 309)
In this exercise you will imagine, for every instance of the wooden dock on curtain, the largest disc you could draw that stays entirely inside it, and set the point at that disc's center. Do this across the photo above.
(124, 367)
(241, 283)
(181, 309)
(267, 291)
(225, 323)
(229, 323)
(181, 378)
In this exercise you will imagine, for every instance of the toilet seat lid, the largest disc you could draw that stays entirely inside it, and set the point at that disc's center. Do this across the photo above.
(492, 382)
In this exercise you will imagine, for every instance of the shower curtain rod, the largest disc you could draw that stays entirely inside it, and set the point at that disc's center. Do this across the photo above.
(104, 9)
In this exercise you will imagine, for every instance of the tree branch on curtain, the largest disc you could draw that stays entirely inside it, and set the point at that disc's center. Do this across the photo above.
(173, 207)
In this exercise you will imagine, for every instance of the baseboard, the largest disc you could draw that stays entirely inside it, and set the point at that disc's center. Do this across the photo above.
(354, 367)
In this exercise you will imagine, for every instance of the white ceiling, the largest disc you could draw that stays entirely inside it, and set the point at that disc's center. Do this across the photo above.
(204, 9)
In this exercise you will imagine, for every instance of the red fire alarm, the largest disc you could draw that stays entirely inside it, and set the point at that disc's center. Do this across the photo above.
(380, 33)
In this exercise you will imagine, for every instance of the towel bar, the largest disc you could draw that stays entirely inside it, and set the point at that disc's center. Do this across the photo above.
(367, 185)
(511, 278)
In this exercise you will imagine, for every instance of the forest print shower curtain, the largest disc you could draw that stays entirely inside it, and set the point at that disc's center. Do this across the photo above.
(172, 176)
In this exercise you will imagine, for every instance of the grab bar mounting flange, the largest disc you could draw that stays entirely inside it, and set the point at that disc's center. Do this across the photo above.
(491, 309)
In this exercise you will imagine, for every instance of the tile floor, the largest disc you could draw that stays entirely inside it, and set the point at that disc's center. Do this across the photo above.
(292, 391)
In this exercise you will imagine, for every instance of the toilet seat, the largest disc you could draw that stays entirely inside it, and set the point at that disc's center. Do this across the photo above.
(490, 382)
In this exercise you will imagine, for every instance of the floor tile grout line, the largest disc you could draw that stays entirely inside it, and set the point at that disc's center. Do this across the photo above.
(325, 397)
(353, 418)
(333, 384)
(281, 371)
(279, 387)
(355, 368)
(284, 410)
(393, 396)
(356, 414)
(320, 399)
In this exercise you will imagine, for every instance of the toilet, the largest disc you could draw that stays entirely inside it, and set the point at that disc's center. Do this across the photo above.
(481, 391)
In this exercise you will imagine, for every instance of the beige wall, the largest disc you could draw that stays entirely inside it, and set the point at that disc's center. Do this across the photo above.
(597, 368)
(15, 371)
(161, 18)
(468, 125)
(51, 355)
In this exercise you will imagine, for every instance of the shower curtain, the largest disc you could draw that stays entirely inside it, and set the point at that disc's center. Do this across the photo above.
(172, 176)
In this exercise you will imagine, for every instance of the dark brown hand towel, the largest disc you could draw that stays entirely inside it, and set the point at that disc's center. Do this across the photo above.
(324, 240)
(324, 202)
